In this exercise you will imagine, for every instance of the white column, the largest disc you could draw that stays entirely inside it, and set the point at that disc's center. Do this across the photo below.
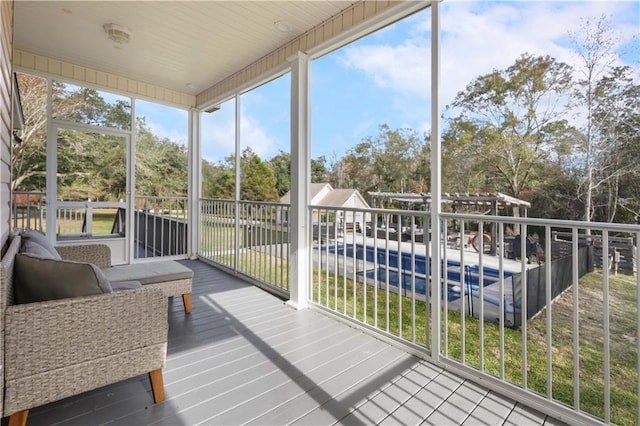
(300, 248)
(436, 182)
(195, 184)
(130, 222)
(52, 170)
(52, 182)
(236, 197)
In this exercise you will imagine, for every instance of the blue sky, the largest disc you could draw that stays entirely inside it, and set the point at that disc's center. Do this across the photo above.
(384, 77)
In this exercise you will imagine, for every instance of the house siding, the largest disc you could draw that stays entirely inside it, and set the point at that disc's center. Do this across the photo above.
(6, 92)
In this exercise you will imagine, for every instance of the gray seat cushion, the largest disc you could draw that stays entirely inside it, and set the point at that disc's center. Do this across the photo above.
(125, 285)
(149, 273)
(39, 279)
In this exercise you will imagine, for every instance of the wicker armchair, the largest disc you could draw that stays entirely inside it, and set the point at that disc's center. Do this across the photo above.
(59, 348)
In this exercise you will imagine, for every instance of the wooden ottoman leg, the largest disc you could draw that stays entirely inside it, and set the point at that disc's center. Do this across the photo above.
(186, 300)
(19, 418)
(157, 385)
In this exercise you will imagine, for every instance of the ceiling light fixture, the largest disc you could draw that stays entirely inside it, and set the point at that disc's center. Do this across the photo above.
(283, 26)
(117, 33)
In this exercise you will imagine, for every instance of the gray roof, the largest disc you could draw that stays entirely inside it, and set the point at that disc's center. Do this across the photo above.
(335, 197)
(339, 197)
(315, 188)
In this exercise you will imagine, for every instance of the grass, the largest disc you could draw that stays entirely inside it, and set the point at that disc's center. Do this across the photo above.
(102, 222)
(262, 266)
(220, 236)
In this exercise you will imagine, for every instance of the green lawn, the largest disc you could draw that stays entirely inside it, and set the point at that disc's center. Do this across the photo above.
(102, 222)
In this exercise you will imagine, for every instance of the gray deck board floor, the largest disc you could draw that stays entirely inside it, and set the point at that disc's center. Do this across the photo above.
(245, 357)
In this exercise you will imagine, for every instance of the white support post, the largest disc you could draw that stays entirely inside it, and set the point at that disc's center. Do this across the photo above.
(195, 184)
(130, 222)
(52, 169)
(89, 218)
(436, 184)
(300, 249)
(236, 197)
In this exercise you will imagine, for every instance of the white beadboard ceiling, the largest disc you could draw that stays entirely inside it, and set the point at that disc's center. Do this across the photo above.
(174, 43)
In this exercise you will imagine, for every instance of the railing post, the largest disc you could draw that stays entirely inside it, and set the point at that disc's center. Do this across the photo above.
(436, 182)
(300, 251)
(89, 218)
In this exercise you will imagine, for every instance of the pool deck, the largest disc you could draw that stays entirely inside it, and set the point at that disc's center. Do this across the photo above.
(468, 254)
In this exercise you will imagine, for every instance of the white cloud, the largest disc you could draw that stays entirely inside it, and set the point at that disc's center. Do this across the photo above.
(478, 37)
(218, 136)
(401, 67)
(254, 135)
(170, 132)
(165, 121)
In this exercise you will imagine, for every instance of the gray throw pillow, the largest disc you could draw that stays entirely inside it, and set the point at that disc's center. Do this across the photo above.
(40, 239)
(35, 249)
(39, 279)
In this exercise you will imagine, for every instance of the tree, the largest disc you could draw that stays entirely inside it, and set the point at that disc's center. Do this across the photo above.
(556, 196)
(605, 94)
(355, 169)
(319, 171)
(392, 161)
(84, 105)
(91, 165)
(420, 180)
(281, 165)
(161, 164)
(616, 137)
(509, 122)
(461, 172)
(397, 155)
(218, 180)
(29, 157)
(257, 181)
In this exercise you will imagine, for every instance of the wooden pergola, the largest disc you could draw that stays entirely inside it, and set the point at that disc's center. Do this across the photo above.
(495, 201)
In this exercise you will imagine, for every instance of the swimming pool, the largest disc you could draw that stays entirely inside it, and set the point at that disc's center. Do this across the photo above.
(402, 269)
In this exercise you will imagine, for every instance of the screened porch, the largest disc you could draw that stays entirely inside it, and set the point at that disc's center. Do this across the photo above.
(395, 316)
